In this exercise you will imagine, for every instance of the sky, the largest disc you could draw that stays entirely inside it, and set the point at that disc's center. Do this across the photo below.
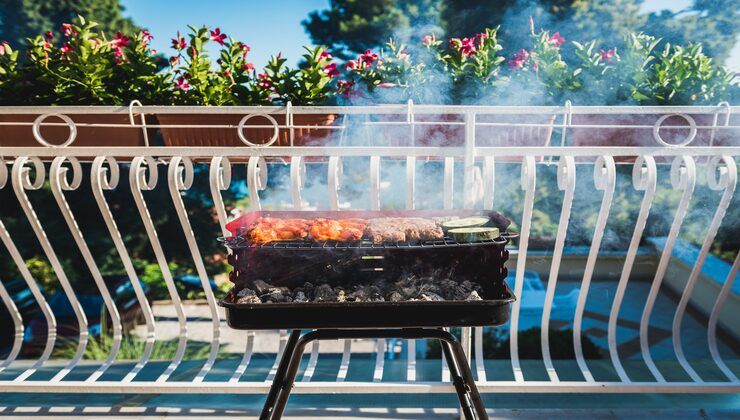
(268, 27)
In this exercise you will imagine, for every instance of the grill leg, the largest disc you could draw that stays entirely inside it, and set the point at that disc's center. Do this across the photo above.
(292, 371)
(462, 378)
(280, 379)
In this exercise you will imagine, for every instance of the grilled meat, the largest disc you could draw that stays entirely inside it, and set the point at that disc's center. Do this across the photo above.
(337, 230)
(269, 229)
(403, 229)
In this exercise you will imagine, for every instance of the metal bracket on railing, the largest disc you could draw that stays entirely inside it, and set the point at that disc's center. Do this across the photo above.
(715, 120)
(567, 122)
(289, 121)
(131, 105)
(243, 138)
(36, 129)
(684, 142)
(410, 120)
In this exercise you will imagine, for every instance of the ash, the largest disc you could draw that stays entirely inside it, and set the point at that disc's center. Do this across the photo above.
(407, 289)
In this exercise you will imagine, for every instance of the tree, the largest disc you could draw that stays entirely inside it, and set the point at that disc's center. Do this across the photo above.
(349, 27)
(21, 19)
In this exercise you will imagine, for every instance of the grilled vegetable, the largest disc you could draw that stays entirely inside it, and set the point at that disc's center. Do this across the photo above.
(467, 222)
(474, 234)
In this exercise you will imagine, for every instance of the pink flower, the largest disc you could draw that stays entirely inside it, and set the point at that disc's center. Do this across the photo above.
(245, 48)
(331, 70)
(265, 82)
(404, 55)
(2, 48)
(556, 39)
(345, 87)
(386, 85)
(181, 83)
(217, 36)
(368, 58)
(179, 43)
(428, 40)
(118, 42)
(536, 65)
(247, 66)
(465, 46)
(67, 30)
(325, 55)
(607, 55)
(351, 64)
(146, 37)
(153, 51)
(49, 35)
(480, 39)
(519, 60)
(66, 48)
(174, 60)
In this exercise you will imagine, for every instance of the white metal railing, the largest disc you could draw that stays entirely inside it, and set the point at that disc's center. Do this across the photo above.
(24, 169)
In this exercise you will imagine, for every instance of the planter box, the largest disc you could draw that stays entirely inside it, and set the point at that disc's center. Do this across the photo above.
(643, 137)
(22, 135)
(229, 137)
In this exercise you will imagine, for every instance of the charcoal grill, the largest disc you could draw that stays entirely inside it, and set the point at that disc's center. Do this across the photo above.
(291, 263)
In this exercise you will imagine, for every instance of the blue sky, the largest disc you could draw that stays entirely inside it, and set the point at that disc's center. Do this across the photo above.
(267, 26)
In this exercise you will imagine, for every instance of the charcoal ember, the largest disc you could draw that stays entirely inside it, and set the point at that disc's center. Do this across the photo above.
(341, 296)
(376, 297)
(359, 295)
(262, 287)
(429, 296)
(247, 296)
(430, 287)
(473, 296)
(395, 297)
(309, 290)
(300, 297)
(324, 293)
(469, 285)
(275, 296)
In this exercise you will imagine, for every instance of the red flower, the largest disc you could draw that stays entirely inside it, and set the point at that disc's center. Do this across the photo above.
(607, 55)
(146, 37)
(174, 60)
(265, 82)
(217, 36)
(179, 43)
(404, 55)
(181, 83)
(325, 55)
(331, 70)
(118, 42)
(428, 40)
(386, 85)
(351, 64)
(556, 39)
(49, 35)
(245, 49)
(67, 30)
(519, 60)
(465, 46)
(2, 47)
(368, 58)
(345, 87)
(66, 48)
(247, 66)
(480, 39)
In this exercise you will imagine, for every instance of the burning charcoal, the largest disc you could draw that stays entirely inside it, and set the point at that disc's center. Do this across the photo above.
(262, 287)
(247, 296)
(341, 297)
(473, 296)
(429, 296)
(282, 290)
(376, 297)
(324, 293)
(469, 285)
(300, 297)
(359, 295)
(275, 296)
(395, 297)
(309, 290)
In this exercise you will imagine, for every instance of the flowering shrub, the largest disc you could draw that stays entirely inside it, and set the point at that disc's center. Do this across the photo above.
(196, 81)
(90, 69)
(390, 71)
(78, 65)
(309, 85)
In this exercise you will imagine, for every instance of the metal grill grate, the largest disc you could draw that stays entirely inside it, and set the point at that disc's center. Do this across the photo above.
(238, 242)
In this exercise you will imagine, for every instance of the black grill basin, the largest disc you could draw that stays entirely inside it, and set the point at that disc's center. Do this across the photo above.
(310, 315)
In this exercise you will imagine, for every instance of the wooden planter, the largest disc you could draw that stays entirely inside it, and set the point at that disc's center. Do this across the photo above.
(229, 137)
(22, 135)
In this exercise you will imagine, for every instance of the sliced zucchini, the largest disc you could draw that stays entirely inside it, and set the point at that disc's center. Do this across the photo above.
(467, 222)
(474, 234)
